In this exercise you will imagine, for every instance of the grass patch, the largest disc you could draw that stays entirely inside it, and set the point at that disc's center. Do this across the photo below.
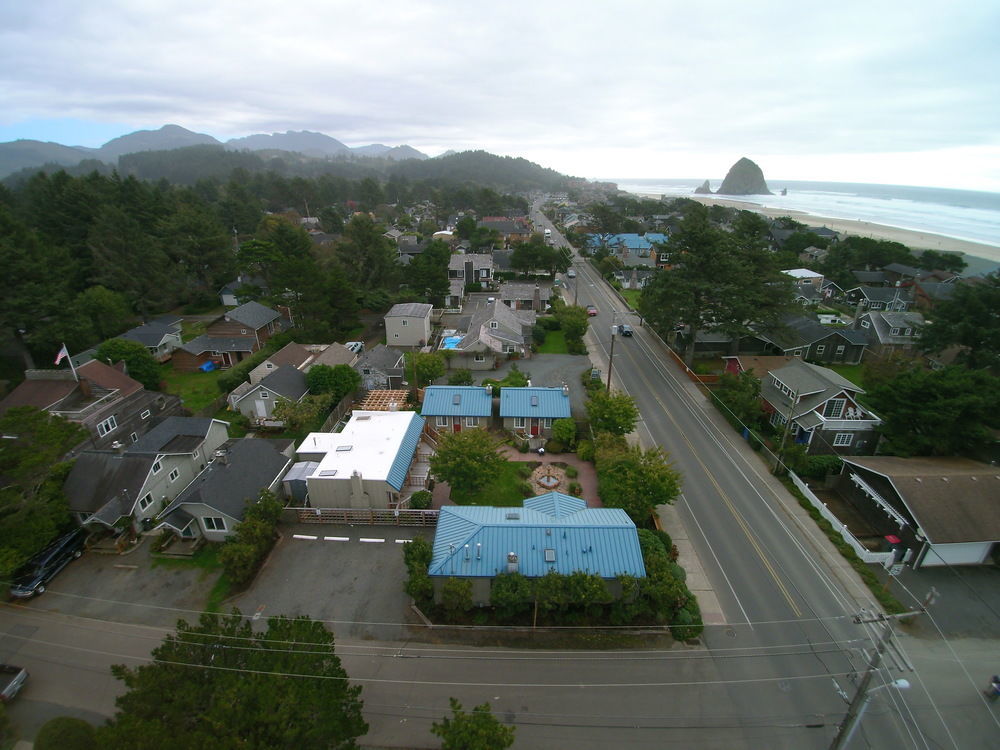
(507, 490)
(555, 343)
(632, 297)
(221, 591)
(192, 329)
(851, 372)
(196, 389)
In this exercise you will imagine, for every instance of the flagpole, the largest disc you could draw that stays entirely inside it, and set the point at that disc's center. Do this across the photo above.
(72, 367)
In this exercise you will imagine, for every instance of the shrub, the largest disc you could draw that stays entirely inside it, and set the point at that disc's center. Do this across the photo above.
(456, 596)
(420, 587)
(818, 467)
(527, 490)
(572, 472)
(242, 553)
(554, 446)
(66, 733)
(549, 322)
(585, 450)
(677, 571)
(461, 376)
(664, 538)
(511, 595)
(687, 622)
(575, 489)
(421, 500)
(538, 334)
(564, 431)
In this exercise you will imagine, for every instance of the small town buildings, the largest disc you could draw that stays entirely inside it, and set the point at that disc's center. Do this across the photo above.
(229, 339)
(452, 408)
(467, 270)
(303, 357)
(530, 411)
(942, 510)
(892, 298)
(137, 481)
(821, 409)
(368, 464)
(229, 294)
(408, 324)
(550, 532)
(103, 399)
(510, 230)
(214, 503)
(256, 401)
(495, 332)
(381, 368)
(159, 338)
(890, 332)
(806, 337)
(525, 296)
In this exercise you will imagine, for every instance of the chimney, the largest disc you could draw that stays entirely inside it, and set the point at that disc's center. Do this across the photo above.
(536, 300)
(86, 390)
(119, 448)
(393, 406)
(470, 272)
(222, 456)
(511, 562)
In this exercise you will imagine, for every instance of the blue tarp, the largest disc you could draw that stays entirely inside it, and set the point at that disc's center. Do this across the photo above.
(207, 367)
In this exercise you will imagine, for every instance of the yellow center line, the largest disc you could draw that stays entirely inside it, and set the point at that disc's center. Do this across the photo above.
(751, 537)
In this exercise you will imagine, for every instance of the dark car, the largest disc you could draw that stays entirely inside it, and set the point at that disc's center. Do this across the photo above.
(42, 568)
(591, 310)
(625, 329)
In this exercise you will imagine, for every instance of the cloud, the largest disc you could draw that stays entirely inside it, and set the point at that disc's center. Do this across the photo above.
(564, 83)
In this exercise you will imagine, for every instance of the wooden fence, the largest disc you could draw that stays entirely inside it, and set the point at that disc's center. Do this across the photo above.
(366, 516)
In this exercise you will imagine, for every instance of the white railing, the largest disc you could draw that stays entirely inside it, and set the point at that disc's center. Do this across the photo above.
(850, 424)
(864, 553)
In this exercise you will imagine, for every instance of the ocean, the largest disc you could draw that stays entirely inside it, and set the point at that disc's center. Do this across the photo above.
(962, 214)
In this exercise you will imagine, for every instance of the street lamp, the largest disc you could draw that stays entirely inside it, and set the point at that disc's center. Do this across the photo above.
(853, 721)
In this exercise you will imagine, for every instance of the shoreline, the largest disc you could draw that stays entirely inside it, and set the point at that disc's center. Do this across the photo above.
(987, 255)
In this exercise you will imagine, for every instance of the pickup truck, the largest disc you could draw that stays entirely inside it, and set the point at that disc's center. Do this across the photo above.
(11, 681)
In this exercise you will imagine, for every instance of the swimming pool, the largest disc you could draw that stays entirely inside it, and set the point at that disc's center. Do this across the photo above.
(450, 342)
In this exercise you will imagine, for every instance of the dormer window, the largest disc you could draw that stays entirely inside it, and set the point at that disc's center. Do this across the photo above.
(494, 324)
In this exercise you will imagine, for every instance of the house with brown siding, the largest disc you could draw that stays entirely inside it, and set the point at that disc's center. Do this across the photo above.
(230, 338)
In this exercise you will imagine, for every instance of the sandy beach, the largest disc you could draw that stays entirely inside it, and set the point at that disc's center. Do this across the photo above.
(913, 239)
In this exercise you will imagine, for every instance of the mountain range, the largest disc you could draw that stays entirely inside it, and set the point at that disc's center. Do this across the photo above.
(22, 154)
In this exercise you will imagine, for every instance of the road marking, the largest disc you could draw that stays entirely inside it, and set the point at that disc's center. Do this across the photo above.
(259, 612)
(372, 541)
(403, 541)
(336, 539)
(304, 536)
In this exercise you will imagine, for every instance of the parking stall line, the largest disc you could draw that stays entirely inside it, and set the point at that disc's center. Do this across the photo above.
(336, 539)
(403, 541)
(372, 541)
(304, 536)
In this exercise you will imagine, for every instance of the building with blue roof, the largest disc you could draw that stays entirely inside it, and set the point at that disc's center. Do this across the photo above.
(550, 532)
(633, 249)
(530, 411)
(456, 407)
(368, 464)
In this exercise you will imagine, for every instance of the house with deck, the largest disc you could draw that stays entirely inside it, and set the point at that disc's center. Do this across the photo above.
(230, 338)
(550, 532)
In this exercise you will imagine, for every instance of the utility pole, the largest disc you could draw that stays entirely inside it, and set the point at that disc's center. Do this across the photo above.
(611, 354)
(784, 433)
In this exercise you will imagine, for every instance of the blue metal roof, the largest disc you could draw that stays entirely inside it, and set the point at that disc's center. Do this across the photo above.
(551, 532)
(628, 239)
(404, 456)
(549, 403)
(472, 401)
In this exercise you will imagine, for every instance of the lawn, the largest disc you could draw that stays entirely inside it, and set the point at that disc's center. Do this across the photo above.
(191, 329)
(851, 372)
(507, 490)
(555, 343)
(632, 297)
(196, 389)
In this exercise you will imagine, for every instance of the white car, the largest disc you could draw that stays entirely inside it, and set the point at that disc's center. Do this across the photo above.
(571, 273)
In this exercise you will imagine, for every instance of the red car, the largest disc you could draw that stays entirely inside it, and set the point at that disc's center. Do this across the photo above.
(591, 310)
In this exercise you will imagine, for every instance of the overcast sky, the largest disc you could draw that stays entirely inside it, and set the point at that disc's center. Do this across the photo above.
(873, 91)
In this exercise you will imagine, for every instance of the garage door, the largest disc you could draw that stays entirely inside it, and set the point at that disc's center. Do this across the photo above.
(972, 553)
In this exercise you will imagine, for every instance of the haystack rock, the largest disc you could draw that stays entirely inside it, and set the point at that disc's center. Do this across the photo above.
(703, 189)
(744, 178)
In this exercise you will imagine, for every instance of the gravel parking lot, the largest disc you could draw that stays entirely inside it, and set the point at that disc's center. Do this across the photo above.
(328, 573)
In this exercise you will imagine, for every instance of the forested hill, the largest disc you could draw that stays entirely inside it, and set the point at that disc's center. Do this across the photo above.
(499, 172)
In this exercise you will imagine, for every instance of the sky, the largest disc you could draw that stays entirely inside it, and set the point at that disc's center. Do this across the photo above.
(884, 91)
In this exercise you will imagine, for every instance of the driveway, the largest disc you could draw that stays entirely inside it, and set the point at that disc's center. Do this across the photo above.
(127, 588)
(329, 574)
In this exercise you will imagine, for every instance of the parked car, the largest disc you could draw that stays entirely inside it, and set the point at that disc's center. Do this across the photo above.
(571, 273)
(358, 347)
(12, 679)
(42, 568)
(625, 329)
(591, 310)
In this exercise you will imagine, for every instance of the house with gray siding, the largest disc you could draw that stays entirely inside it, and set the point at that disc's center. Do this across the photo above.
(408, 324)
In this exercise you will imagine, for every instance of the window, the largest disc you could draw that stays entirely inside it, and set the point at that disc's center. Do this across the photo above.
(834, 408)
(144, 414)
(174, 474)
(134, 437)
(840, 350)
(404, 322)
(843, 438)
(107, 426)
(145, 501)
(470, 421)
(797, 353)
(441, 421)
(395, 335)
(509, 348)
(518, 423)
(243, 330)
(547, 422)
(214, 523)
(157, 466)
(908, 332)
(865, 324)
(494, 324)
(821, 348)
(265, 394)
(480, 358)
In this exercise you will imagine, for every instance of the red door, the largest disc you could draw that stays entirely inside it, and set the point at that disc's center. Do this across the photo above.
(534, 427)
(457, 425)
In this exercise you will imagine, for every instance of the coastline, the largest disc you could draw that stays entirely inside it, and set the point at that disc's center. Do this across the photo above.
(915, 239)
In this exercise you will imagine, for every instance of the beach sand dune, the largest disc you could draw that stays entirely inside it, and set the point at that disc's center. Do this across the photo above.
(915, 240)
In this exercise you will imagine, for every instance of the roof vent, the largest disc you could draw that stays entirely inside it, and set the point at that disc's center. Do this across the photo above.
(513, 516)
(344, 448)
(534, 400)
(456, 399)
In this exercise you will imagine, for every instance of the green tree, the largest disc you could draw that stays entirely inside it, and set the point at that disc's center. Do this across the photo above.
(478, 730)
(338, 381)
(367, 257)
(739, 399)
(456, 596)
(971, 320)
(511, 595)
(718, 281)
(940, 259)
(107, 311)
(465, 227)
(427, 274)
(298, 415)
(462, 376)
(139, 362)
(564, 431)
(426, 367)
(467, 460)
(612, 411)
(282, 687)
(66, 733)
(937, 413)
(633, 479)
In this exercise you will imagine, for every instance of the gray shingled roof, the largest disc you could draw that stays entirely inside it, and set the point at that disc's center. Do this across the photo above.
(800, 331)
(381, 357)
(253, 314)
(227, 485)
(215, 344)
(813, 384)
(286, 381)
(150, 334)
(105, 480)
(173, 435)
(409, 310)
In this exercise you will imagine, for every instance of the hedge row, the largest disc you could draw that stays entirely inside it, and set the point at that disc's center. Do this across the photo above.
(242, 554)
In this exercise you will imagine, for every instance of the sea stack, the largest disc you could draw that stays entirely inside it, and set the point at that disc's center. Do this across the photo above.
(703, 189)
(744, 178)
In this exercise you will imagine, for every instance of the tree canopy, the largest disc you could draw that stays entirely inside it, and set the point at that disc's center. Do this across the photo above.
(467, 459)
(138, 361)
(971, 320)
(478, 730)
(633, 479)
(613, 412)
(231, 687)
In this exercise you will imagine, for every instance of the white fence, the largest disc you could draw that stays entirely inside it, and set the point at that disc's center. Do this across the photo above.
(879, 558)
